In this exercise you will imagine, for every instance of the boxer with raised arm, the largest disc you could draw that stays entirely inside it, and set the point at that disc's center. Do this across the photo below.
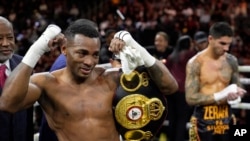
(212, 84)
(77, 100)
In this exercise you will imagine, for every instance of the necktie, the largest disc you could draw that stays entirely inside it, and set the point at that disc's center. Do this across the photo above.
(2, 75)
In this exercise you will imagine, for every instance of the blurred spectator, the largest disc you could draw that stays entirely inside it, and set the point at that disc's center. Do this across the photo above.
(200, 40)
(161, 49)
(179, 112)
(105, 54)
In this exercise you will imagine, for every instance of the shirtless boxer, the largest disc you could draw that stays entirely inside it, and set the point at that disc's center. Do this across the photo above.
(77, 100)
(212, 84)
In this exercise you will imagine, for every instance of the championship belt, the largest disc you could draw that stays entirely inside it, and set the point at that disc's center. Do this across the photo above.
(139, 107)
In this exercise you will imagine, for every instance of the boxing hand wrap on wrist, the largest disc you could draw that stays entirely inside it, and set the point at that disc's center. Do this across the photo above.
(224, 93)
(40, 46)
(147, 58)
(236, 101)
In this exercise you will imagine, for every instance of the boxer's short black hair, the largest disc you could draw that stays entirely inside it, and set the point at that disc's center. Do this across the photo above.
(220, 29)
(82, 26)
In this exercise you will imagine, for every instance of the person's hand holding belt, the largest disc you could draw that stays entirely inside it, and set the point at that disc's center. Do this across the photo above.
(131, 53)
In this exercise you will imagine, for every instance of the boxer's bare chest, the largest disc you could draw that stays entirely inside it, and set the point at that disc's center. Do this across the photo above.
(72, 102)
(212, 72)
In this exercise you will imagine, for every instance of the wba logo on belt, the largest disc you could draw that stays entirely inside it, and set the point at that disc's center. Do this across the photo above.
(139, 107)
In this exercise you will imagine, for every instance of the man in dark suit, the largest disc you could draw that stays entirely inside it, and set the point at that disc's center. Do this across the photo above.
(17, 126)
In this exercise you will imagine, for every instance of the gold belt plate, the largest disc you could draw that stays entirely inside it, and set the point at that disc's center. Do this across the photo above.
(136, 111)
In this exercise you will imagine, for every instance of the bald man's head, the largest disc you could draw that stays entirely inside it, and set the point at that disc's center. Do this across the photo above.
(5, 21)
(7, 41)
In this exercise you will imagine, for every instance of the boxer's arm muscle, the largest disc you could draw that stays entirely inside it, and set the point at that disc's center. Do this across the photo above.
(192, 86)
(18, 93)
(235, 75)
(163, 78)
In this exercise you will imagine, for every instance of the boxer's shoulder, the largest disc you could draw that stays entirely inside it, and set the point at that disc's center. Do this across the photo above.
(44, 77)
(108, 74)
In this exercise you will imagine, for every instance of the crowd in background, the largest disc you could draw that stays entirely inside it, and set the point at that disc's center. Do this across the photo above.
(142, 18)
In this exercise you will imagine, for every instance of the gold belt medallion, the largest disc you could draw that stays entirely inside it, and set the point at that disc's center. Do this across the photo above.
(137, 135)
(133, 81)
(135, 111)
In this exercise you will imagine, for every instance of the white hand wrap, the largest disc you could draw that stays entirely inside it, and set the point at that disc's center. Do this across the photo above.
(236, 101)
(147, 58)
(224, 93)
(40, 46)
(130, 59)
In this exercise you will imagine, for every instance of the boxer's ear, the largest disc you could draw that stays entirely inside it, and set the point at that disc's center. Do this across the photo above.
(63, 49)
(64, 46)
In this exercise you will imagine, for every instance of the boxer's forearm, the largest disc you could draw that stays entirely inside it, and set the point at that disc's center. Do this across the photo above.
(17, 85)
(15, 89)
(163, 78)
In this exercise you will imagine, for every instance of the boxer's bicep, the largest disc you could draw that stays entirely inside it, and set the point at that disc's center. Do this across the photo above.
(235, 71)
(33, 94)
(192, 83)
(163, 78)
(34, 91)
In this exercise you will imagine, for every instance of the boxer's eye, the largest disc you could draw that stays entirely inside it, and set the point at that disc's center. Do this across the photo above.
(223, 43)
(82, 53)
